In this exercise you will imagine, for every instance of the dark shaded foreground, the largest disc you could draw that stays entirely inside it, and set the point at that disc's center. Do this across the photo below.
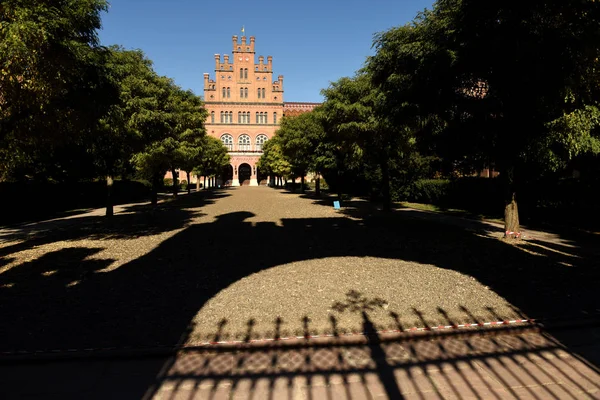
(499, 363)
(150, 301)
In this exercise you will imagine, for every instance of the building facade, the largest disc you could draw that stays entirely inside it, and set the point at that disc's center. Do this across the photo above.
(245, 104)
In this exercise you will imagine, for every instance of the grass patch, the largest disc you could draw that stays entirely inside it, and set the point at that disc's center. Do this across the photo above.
(450, 211)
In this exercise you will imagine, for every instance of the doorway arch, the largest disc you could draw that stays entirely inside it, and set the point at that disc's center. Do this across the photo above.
(244, 174)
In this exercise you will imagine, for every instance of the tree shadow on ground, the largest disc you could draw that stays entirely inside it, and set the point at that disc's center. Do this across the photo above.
(132, 221)
(359, 207)
(152, 300)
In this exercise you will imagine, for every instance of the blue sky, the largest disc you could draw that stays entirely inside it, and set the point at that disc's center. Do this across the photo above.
(312, 42)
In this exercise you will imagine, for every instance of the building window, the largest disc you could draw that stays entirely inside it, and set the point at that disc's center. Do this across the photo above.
(275, 117)
(264, 78)
(230, 117)
(257, 117)
(224, 92)
(244, 143)
(241, 73)
(245, 73)
(222, 118)
(239, 117)
(212, 117)
(260, 140)
(228, 92)
(227, 140)
(246, 93)
(241, 93)
(263, 93)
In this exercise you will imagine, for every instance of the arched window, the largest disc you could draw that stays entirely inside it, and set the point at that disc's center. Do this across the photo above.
(246, 93)
(244, 143)
(260, 140)
(222, 118)
(263, 93)
(212, 117)
(274, 117)
(258, 92)
(245, 73)
(239, 117)
(224, 92)
(257, 117)
(241, 93)
(230, 117)
(228, 92)
(241, 73)
(227, 140)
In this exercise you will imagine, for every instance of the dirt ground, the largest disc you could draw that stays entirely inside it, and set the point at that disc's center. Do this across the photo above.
(249, 263)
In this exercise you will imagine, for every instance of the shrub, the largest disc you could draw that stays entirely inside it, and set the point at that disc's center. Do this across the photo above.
(430, 191)
(168, 182)
(183, 184)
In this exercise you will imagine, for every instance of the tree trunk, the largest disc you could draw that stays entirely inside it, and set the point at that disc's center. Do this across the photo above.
(109, 196)
(175, 184)
(318, 185)
(154, 198)
(512, 230)
(302, 184)
(197, 183)
(204, 186)
(385, 185)
(189, 188)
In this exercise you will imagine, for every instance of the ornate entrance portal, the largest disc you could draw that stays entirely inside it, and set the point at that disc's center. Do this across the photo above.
(244, 174)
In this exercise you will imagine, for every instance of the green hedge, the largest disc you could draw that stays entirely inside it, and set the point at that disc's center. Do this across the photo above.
(477, 195)
(568, 202)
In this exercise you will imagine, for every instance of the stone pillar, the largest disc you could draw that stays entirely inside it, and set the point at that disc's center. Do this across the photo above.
(235, 181)
(253, 181)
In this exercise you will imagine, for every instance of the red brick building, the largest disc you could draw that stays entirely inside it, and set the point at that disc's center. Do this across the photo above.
(245, 104)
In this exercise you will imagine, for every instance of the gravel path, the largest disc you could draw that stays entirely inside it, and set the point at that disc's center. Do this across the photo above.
(257, 262)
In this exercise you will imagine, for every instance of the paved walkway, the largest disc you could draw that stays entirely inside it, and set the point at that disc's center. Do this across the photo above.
(257, 263)
(499, 363)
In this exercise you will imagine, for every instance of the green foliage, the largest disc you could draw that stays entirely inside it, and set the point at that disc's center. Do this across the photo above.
(487, 83)
(273, 162)
(429, 191)
(213, 157)
(53, 86)
(173, 130)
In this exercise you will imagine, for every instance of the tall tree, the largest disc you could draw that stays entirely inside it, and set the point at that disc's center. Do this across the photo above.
(273, 162)
(214, 157)
(299, 137)
(53, 87)
(513, 86)
(120, 133)
(355, 119)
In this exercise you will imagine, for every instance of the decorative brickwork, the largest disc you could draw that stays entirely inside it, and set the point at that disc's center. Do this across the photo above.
(245, 105)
